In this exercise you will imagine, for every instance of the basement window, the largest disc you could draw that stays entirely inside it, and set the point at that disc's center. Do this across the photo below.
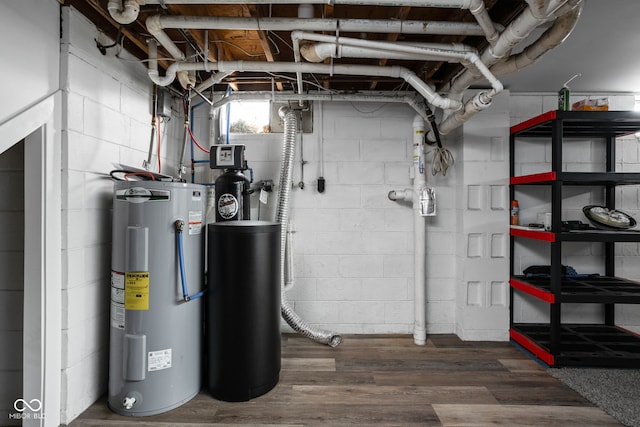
(248, 117)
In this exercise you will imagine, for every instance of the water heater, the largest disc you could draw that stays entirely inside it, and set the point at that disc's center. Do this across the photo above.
(156, 280)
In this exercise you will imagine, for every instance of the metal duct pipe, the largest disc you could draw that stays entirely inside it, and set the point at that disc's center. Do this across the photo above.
(282, 216)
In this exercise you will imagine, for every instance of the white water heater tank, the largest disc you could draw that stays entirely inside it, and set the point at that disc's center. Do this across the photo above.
(156, 320)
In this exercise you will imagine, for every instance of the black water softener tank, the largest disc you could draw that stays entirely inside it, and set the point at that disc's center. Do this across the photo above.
(243, 309)
(233, 192)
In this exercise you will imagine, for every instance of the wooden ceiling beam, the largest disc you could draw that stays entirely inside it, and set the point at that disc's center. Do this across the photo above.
(252, 11)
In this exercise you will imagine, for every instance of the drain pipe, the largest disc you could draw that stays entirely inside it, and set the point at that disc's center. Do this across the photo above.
(516, 31)
(551, 38)
(419, 231)
(282, 216)
(395, 71)
(465, 56)
(410, 99)
(124, 14)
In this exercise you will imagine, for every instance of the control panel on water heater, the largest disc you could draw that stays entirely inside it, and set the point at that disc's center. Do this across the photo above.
(227, 156)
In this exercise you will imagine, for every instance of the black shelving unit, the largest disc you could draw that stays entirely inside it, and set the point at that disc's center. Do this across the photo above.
(556, 343)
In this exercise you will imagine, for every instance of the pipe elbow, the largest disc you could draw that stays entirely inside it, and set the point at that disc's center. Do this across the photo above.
(310, 52)
(124, 14)
(153, 24)
(285, 111)
(186, 80)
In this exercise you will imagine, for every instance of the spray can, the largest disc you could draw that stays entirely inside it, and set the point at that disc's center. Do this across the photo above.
(515, 213)
(564, 102)
(564, 95)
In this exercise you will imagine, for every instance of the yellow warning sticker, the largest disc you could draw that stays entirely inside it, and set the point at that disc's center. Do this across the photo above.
(136, 290)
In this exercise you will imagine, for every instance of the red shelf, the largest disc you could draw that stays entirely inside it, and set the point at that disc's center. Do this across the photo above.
(534, 348)
(547, 236)
(535, 121)
(534, 178)
(532, 290)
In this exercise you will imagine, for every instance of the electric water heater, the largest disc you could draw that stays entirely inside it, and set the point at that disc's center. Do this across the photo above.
(156, 281)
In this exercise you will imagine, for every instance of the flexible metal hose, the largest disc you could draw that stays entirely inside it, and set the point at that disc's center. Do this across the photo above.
(282, 216)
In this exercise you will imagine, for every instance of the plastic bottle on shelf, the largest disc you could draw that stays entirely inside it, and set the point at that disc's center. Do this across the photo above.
(515, 213)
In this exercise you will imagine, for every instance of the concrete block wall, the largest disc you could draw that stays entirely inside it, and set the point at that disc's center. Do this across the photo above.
(12, 304)
(534, 156)
(106, 121)
(351, 243)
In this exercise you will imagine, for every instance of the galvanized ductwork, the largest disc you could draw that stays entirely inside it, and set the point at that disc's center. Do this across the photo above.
(282, 216)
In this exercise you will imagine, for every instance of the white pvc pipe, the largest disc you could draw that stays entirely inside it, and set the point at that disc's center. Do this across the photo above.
(419, 232)
(461, 4)
(551, 38)
(466, 57)
(410, 100)
(318, 52)
(514, 33)
(124, 14)
(354, 70)
(160, 22)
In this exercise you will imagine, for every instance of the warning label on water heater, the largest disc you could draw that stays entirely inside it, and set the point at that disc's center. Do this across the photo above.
(136, 290)
(117, 300)
(159, 360)
(195, 222)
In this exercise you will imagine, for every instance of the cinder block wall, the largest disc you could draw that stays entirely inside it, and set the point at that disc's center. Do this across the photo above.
(106, 121)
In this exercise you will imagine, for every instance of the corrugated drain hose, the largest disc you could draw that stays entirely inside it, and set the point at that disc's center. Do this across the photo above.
(282, 216)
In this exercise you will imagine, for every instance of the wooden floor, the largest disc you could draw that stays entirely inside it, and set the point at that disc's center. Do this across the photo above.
(387, 380)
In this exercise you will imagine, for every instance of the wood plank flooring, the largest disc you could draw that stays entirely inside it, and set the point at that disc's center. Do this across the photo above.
(387, 380)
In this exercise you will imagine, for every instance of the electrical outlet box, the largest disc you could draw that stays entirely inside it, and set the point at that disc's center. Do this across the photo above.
(163, 107)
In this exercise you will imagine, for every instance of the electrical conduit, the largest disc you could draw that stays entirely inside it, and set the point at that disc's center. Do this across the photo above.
(282, 216)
